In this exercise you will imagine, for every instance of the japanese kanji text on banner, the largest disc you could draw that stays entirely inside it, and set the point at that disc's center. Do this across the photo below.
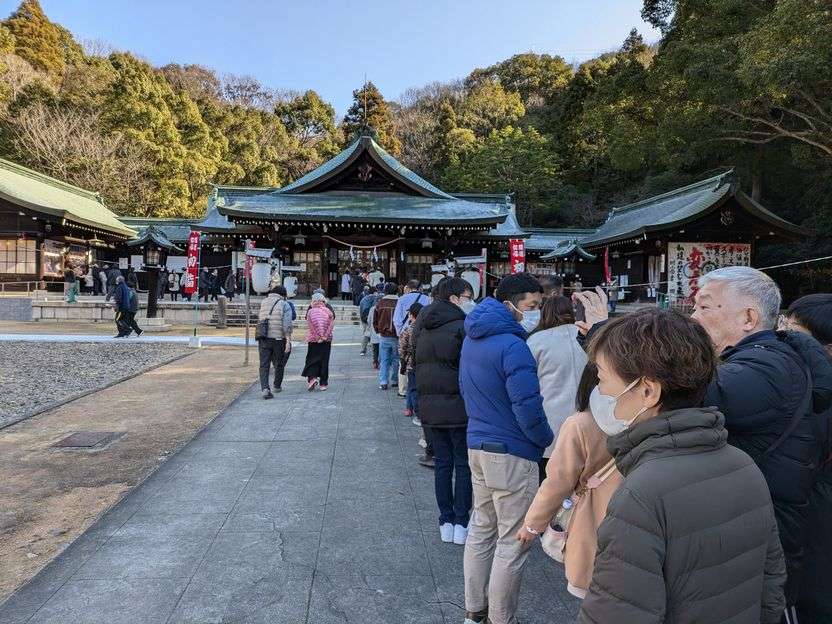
(517, 255)
(689, 261)
(191, 274)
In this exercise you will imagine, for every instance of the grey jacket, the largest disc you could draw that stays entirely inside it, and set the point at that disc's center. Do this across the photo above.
(690, 535)
(279, 313)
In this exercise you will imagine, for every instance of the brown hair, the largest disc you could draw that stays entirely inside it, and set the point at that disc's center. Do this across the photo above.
(557, 310)
(664, 346)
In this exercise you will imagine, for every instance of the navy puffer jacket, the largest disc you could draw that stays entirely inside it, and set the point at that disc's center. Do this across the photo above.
(759, 387)
(498, 381)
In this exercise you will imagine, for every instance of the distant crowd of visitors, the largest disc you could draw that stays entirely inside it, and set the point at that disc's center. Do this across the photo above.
(679, 467)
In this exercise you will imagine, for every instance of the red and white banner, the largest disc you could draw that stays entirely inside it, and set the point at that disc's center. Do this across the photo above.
(517, 255)
(191, 274)
(249, 259)
(607, 271)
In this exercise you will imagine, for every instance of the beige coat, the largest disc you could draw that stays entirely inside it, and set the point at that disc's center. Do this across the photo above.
(580, 451)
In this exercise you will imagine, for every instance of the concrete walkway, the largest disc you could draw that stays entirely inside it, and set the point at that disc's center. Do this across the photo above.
(307, 509)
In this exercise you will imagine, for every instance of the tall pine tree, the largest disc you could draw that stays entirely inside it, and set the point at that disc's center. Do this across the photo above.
(37, 40)
(370, 109)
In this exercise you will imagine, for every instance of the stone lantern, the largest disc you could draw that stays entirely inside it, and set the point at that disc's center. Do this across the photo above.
(155, 248)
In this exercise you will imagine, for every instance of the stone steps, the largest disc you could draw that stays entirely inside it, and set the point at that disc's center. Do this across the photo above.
(236, 315)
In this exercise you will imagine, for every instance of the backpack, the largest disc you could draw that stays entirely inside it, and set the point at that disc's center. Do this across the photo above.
(294, 312)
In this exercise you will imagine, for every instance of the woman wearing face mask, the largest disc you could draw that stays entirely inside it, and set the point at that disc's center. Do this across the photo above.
(560, 361)
(690, 535)
(580, 453)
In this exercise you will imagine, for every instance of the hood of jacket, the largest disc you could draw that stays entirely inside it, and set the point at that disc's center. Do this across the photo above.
(492, 318)
(441, 313)
(676, 432)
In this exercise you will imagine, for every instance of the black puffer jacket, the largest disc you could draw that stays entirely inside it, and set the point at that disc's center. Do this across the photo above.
(690, 535)
(437, 342)
(759, 386)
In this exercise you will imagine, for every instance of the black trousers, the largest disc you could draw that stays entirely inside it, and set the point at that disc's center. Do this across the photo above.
(317, 362)
(272, 353)
(126, 323)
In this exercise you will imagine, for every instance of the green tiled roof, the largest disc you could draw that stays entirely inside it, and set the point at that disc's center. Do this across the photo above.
(567, 248)
(678, 207)
(547, 239)
(352, 151)
(42, 193)
(361, 208)
(154, 234)
(175, 230)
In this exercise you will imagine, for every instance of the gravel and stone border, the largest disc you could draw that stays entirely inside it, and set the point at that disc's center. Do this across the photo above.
(37, 376)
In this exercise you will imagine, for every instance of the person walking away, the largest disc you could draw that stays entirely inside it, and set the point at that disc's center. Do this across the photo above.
(581, 470)
(367, 302)
(274, 348)
(375, 277)
(112, 275)
(507, 434)
(231, 285)
(560, 363)
(346, 290)
(320, 322)
(204, 285)
(438, 334)
(126, 305)
(388, 341)
(812, 315)
(411, 409)
(357, 284)
(70, 285)
(690, 535)
(131, 279)
(771, 388)
(173, 285)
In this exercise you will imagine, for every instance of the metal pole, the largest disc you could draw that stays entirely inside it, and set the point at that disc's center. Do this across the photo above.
(196, 290)
(248, 305)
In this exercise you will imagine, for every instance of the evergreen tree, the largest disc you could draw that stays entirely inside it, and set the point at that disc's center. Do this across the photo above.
(369, 109)
(37, 40)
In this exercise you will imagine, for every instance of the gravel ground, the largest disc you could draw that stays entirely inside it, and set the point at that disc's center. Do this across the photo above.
(33, 375)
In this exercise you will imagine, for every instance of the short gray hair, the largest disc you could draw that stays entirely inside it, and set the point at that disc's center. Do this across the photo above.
(753, 285)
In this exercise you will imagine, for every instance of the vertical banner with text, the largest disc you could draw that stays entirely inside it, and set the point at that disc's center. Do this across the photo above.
(191, 273)
(517, 255)
(249, 259)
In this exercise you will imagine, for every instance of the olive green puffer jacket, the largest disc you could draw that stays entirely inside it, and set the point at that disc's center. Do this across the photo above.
(690, 535)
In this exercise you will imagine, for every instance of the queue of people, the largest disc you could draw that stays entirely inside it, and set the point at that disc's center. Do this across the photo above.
(679, 467)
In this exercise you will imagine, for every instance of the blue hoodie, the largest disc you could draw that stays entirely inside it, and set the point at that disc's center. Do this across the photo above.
(498, 382)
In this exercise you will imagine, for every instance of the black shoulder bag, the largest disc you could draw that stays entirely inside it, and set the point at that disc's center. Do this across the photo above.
(261, 332)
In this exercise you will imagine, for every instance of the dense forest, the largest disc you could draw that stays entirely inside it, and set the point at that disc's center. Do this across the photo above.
(732, 83)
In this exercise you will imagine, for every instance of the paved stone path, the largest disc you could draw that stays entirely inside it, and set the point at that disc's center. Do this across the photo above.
(307, 509)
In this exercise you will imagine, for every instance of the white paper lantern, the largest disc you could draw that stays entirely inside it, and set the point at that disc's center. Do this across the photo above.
(261, 274)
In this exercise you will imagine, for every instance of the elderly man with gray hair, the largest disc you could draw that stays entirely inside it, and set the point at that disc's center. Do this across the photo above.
(772, 388)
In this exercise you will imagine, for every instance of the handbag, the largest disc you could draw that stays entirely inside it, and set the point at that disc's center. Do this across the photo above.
(261, 332)
(554, 537)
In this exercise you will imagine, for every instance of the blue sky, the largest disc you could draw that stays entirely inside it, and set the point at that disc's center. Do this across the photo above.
(329, 46)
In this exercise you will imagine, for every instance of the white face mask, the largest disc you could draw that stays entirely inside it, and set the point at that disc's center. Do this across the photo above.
(602, 407)
(531, 319)
(467, 306)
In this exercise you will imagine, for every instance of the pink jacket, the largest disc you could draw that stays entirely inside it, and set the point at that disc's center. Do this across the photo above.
(319, 321)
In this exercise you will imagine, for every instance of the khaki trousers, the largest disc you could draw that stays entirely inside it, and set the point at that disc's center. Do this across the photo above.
(504, 487)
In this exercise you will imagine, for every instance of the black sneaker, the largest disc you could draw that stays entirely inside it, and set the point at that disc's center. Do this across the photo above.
(382, 387)
(477, 617)
(426, 461)
(267, 394)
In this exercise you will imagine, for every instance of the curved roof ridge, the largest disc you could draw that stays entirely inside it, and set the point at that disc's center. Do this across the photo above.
(721, 178)
(48, 179)
(412, 176)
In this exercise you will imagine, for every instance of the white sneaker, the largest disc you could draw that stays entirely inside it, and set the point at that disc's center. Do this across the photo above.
(416, 421)
(446, 532)
(460, 534)
(422, 443)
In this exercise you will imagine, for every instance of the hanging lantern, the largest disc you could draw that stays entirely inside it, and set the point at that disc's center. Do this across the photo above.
(427, 242)
(300, 239)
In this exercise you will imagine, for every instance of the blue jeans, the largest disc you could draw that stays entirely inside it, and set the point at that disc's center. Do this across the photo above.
(411, 401)
(453, 496)
(388, 355)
